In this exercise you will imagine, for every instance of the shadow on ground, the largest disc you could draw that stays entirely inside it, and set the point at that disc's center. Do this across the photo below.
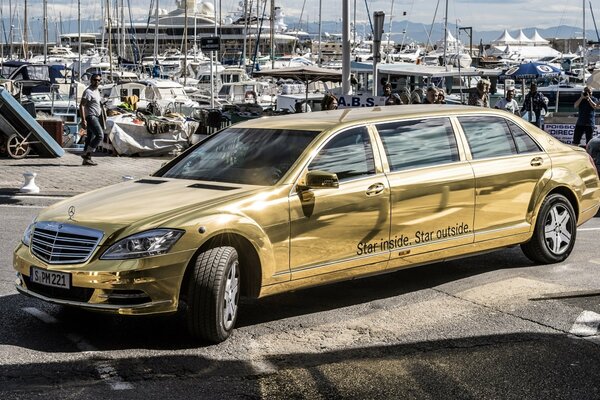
(510, 366)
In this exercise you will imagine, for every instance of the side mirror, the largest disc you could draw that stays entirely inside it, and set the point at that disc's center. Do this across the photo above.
(321, 180)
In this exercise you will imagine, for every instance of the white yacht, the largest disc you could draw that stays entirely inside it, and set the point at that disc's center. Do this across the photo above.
(170, 31)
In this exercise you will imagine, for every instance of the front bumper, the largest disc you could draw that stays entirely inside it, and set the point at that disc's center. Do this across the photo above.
(130, 287)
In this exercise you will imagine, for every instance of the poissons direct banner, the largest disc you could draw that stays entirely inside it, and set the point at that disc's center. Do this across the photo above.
(564, 132)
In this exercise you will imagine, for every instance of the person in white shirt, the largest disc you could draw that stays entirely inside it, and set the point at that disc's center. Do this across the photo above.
(508, 103)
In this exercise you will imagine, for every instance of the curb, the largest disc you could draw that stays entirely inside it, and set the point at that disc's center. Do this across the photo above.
(17, 193)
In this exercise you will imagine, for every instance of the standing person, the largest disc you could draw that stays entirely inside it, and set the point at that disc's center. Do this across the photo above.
(441, 96)
(390, 98)
(156, 70)
(431, 96)
(508, 103)
(480, 95)
(329, 102)
(91, 115)
(534, 103)
(586, 120)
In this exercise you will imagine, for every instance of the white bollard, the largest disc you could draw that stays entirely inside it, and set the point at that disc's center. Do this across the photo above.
(29, 186)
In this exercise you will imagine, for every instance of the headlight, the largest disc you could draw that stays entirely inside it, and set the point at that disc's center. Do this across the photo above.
(26, 239)
(145, 244)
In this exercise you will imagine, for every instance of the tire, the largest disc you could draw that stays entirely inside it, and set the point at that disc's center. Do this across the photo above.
(555, 232)
(213, 294)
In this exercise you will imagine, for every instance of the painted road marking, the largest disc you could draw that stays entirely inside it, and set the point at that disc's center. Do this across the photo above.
(586, 324)
(104, 368)
(42, 316)
(588, 229)
(22, 206)
(24, 196)
(263, 367)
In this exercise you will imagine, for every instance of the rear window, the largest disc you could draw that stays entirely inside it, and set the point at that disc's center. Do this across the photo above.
(418, 143)
(488, 137)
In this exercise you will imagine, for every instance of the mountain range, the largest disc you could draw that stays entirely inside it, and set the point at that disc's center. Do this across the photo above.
(401, 31)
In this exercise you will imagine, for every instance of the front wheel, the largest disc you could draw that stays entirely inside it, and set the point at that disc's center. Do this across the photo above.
(555, 231)
(213, 294)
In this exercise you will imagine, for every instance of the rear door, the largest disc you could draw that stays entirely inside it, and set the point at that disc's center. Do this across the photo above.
(432, 188)
(509, 171)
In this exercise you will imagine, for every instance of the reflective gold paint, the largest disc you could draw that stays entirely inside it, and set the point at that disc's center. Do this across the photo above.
(290, 238)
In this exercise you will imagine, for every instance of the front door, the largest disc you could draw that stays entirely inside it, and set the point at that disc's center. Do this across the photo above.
(347, 227)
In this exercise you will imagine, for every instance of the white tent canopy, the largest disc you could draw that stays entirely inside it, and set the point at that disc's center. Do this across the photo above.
(537, 39)
(522, 39)
(522, 53)
(505, 38)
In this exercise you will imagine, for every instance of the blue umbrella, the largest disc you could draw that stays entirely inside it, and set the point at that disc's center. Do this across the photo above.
(532, 70)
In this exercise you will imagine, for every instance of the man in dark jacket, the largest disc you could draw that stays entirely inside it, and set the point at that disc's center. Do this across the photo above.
(586, 120)
(534, 103)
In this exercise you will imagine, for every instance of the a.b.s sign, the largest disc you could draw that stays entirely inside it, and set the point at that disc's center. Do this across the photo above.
(360, 100)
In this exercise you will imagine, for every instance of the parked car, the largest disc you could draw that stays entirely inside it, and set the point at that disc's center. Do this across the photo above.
(276, 204)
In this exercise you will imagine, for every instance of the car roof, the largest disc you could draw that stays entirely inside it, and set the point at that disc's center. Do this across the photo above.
(323, 120)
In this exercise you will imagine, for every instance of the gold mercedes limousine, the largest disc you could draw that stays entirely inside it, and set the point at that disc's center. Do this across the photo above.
(276, 204)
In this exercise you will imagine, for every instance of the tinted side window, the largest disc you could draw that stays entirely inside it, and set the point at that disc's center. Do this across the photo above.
(488, 137)
(349, 155)
(418, 143)
(525, 144)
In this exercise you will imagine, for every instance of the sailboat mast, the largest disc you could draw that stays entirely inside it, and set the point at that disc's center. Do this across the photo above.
(272, 34)
(243, 60)
(156, 35)
(10, 32)
(45, 11)
(79, 38)
(185, 44)
(122, 30)
(445, 32)
(25, 32)
(109, 39)
(320, 26)
(584, 44)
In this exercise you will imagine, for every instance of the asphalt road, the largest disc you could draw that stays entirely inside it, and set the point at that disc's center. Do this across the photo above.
(493, 326)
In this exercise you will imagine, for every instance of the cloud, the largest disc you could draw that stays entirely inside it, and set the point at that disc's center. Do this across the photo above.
(480, 14)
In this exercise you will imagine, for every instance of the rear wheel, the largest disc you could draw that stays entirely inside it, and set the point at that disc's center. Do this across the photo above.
(213, 294)
(555, 231)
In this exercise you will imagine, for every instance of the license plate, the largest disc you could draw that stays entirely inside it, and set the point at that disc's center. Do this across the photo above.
(50, 278)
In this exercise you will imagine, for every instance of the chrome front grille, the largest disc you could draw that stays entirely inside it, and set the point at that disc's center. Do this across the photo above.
(59, 243)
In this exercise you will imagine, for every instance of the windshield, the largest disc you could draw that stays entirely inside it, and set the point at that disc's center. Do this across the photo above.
(245, 156)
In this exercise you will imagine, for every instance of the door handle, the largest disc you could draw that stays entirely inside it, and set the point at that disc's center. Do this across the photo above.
(537, 161)
(375, 189)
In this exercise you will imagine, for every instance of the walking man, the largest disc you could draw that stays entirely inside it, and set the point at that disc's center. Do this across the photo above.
(508, 103)
(534, 103)
(479, 96)
(586, 120)
(90, 109)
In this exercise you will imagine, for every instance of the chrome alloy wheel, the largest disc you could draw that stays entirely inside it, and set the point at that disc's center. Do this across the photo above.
(231, 295)
(558, 229)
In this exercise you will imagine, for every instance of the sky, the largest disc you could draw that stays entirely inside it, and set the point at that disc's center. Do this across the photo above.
(481, 15)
